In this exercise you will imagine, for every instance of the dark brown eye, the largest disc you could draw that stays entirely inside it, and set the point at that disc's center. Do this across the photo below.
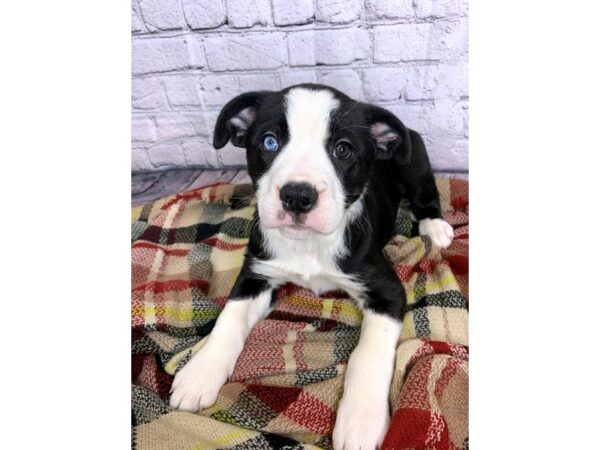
(342, 150)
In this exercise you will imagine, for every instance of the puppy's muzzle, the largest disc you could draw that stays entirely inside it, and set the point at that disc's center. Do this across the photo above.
(298, 198)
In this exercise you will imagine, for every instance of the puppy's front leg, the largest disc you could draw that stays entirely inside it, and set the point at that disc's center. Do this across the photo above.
(363, 412)
(197, 384)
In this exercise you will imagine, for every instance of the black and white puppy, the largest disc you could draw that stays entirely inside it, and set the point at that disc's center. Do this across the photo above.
(329, 173)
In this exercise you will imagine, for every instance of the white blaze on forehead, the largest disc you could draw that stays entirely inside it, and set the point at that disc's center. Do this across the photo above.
(305, 158)
(308, 113)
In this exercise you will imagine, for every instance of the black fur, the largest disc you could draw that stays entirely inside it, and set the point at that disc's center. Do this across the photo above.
(384, 171)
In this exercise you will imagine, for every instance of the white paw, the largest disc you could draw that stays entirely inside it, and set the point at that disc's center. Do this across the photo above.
(197, 385)
(440, 231)
(361, 423)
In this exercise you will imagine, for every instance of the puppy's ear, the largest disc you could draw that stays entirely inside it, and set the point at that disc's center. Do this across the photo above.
(235, 118)
(390, 135)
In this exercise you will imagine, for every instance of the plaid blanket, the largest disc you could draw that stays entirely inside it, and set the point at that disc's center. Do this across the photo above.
(187, 251)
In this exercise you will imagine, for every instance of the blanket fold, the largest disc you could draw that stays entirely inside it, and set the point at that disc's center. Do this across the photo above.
(187, 250)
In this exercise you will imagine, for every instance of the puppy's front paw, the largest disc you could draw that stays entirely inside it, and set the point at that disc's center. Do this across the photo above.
(197, 385)
(361, 423)
(440, 231)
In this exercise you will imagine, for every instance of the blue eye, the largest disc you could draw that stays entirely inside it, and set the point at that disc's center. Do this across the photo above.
(270, 143)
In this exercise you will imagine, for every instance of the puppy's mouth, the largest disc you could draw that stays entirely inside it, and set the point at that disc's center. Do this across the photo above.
(296, 231)
(292, 225)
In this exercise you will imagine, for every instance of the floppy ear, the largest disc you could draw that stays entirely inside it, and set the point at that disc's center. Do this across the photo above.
(235, 118)
(390, 135)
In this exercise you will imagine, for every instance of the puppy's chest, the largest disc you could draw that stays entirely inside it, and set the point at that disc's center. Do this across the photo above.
(305, 271)
(314, 270)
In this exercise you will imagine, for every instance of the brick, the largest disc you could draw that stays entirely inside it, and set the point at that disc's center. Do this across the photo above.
(391, 9)
(259, 82)
(200, 153)
(147, 93)
(383, 84)
(441, 8)
(183, 90)
(210, 119)
(297, 77)
(218, 89)
(405, 42)
(460, 153)
(346, 80)
(308, 48)
(450, 40)
(246, 52)
(444, 126)
(442, 80)
(246, 13)
(196, 49)
(173, 126)
(293, 13)
(137, 23)
(202, 14)
(414, 115)
(159, 55)
(421, 83)
(139, 160)
(161, 14)
(453, 80)
(450, 118)
(143, 129)
(302, 48)
(447, 154)
(166, 155)
(336, 11)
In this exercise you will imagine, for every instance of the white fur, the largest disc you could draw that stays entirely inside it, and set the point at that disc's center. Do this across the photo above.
(304, 159)
(440, 231)
(197, 384)
(311, 263)
(363, 413)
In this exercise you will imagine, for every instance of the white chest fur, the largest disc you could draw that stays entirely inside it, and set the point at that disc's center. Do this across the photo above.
(310, 263)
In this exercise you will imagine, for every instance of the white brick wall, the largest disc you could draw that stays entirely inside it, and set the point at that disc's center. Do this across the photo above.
(189, 57)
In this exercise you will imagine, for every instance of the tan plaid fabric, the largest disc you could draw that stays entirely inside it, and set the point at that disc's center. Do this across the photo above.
(187, 251)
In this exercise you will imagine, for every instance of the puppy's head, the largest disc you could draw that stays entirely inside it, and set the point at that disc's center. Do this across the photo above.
(310, 152)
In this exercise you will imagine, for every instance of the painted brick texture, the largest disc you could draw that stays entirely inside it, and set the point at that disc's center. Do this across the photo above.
(189, 57)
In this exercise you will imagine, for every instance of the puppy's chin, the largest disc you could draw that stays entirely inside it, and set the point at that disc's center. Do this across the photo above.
(298, 232)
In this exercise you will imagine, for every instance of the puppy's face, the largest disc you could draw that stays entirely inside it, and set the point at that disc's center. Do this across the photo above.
(310, 152)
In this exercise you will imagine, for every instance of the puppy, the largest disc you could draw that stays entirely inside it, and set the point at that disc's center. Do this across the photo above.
(329, 173)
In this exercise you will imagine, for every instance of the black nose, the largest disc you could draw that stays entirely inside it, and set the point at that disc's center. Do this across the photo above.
(298, 197)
